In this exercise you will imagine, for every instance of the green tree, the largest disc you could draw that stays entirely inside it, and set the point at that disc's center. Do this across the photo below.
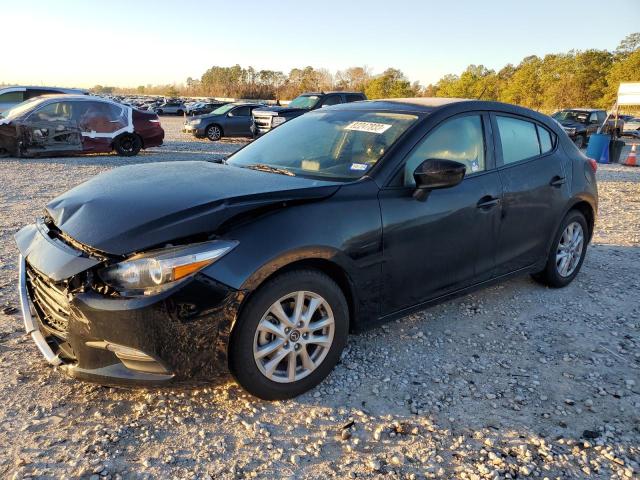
(391, 84)
(626, 70)
(172, 91)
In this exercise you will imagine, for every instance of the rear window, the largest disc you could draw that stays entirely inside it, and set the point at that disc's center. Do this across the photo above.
(354, 98)
(519, 139)
(546, 140)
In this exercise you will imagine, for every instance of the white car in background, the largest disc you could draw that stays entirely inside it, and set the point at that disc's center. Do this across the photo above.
(11, 96)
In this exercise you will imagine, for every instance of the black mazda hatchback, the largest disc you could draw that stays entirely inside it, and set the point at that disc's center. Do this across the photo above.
(334, 221)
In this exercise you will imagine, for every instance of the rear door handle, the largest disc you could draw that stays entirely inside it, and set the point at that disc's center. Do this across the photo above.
(557, 181)
(487, 202)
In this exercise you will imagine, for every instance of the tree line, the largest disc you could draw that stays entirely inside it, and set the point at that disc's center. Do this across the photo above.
(587, 78)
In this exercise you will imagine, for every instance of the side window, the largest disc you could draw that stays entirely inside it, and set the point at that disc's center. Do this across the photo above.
(353, 97)
(546, 141)
(100, 117)
(53, 112)
(332, 100)
(36, 92)
(519, 139)
(602, 116)
(460, 139)
(12, 97)
(241, 112)
(593, 118)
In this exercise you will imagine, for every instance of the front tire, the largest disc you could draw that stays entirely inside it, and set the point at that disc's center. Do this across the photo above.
(213, 133)
(127, 145)
(289, 335)
(567, 252)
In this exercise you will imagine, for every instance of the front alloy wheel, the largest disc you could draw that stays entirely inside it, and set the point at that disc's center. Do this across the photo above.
(289, 335)
(214, 133)
(293, 337)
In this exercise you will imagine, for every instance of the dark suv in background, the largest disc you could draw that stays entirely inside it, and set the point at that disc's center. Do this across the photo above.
(581, 123)
(266, 118)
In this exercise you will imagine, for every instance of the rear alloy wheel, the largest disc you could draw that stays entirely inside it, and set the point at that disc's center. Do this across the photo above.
(127, 145)
(213, 133)
(567, 253)
(290, 335)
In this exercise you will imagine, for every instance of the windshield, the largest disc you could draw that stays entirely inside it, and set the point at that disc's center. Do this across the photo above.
(304, 101)
(223, 109)
(571, 116)
(21, 108)
(337, 145)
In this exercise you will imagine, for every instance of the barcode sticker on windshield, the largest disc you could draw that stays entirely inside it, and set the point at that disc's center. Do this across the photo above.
(369, 127)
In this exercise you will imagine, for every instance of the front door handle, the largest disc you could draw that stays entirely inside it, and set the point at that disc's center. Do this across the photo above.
(487, 202)
(557, 181)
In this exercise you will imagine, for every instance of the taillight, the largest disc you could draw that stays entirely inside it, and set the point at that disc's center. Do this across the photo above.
(593, 163)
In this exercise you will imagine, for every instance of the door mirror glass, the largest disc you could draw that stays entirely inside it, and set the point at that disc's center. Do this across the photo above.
(436, 173)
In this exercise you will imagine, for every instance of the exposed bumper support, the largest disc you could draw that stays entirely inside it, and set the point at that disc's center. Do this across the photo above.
(30, 324)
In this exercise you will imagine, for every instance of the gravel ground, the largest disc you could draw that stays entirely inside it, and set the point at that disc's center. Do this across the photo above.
(512, 381)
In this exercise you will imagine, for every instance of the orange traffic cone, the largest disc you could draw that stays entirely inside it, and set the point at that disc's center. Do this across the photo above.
(632, 160)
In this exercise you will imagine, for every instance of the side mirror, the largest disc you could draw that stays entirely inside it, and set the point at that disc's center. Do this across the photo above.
(434, 173)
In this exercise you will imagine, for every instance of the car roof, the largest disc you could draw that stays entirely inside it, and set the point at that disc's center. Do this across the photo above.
(31, 87)
(586, 110)
(332, 91)
(74, 97)
(430, 105)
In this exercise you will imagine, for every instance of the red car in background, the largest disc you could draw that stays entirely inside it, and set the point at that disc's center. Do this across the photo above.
(76, 124)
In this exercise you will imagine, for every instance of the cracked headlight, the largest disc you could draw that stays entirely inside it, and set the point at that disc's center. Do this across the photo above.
(152, 272)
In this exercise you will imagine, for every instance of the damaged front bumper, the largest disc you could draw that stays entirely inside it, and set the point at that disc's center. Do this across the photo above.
(176, 336)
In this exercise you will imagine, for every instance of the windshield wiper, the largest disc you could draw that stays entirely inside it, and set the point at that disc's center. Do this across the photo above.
(263, 167)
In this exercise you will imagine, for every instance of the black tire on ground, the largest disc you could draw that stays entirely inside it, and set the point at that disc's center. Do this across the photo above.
(242, 363)
(213, 133)
(159, 111)
(127, 144)
(179, 112)
(551, 276)
(580, 141)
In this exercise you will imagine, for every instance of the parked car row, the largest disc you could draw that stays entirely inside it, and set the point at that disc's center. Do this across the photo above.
(244, 119)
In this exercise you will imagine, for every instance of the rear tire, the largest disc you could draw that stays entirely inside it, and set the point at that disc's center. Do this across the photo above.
(127, 145)
(179, 112)
(299, 357)
(567, 252)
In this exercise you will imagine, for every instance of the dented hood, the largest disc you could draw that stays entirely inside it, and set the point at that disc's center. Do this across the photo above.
(132, 208)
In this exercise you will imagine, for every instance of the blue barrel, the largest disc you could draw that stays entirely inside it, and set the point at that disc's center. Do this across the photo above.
(598, 147)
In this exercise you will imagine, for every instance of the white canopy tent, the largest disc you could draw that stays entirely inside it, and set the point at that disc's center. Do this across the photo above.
(629, 94)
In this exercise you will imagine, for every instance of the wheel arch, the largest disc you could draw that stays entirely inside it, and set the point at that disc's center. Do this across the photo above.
(588, 211)
(330, 268)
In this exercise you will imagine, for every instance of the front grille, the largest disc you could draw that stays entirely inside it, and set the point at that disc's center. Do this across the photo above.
(50, 302)
(263, 122)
